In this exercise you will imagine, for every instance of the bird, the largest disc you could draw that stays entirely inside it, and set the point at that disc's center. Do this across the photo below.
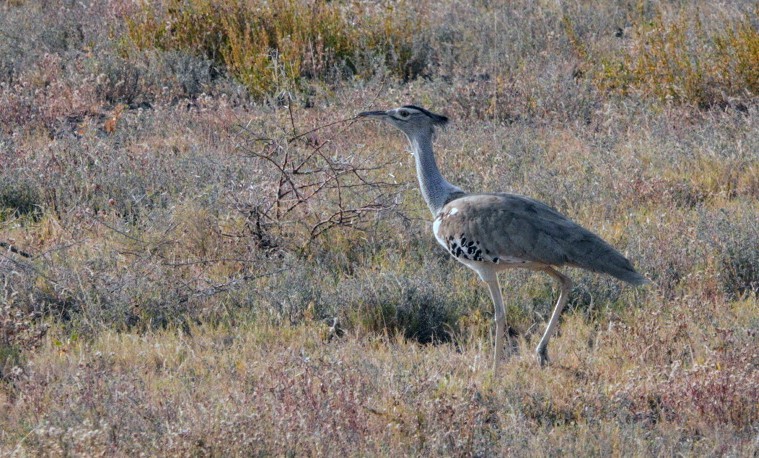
(494, 232)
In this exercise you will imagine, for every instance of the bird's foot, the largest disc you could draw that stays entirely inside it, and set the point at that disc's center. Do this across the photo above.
(542, 355)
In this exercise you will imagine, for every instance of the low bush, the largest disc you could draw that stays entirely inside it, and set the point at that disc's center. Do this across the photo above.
(19, 197)
(674, 57)
(274, 45)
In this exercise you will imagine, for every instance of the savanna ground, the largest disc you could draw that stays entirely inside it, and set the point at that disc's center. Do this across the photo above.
(178, 242)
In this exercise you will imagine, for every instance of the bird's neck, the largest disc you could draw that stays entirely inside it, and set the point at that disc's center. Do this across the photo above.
(435, 189)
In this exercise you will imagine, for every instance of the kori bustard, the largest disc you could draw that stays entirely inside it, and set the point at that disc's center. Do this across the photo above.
(492, 232)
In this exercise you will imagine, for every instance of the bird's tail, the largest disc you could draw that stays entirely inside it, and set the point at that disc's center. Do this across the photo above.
(632, 277)
(609, 261)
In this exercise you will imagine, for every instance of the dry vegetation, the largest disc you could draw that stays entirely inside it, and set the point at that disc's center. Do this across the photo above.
(178, 237)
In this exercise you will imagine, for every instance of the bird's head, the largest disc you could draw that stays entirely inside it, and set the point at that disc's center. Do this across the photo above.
(410, 119)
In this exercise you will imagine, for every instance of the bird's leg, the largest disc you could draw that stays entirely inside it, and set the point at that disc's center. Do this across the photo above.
(566, 286)
(500, 318)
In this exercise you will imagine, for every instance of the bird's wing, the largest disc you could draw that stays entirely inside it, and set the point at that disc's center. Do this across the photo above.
(516, 229)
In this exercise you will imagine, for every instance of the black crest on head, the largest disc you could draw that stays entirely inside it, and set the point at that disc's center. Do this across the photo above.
(438, 120)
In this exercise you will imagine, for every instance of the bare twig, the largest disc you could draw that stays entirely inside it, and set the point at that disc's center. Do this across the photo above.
(310, 187)
(323, 126)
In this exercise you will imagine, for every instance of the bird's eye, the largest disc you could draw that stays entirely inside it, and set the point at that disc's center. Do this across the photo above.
(404, 114)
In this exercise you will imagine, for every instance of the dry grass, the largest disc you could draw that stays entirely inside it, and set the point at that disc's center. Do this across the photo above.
(285, 390)
(675, 53)
(176, 242)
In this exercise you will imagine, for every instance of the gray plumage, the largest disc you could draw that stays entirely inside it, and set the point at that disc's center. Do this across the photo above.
(509, 225)
(493, 232)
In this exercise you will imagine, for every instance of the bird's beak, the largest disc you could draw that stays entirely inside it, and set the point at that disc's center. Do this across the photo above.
(372, 114)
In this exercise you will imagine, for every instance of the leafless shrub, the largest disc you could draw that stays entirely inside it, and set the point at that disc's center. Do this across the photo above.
(310, 190)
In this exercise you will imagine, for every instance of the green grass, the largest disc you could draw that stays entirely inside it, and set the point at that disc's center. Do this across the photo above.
(195, 223)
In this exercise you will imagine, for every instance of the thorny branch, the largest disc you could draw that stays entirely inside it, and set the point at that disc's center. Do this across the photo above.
(311, 186)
